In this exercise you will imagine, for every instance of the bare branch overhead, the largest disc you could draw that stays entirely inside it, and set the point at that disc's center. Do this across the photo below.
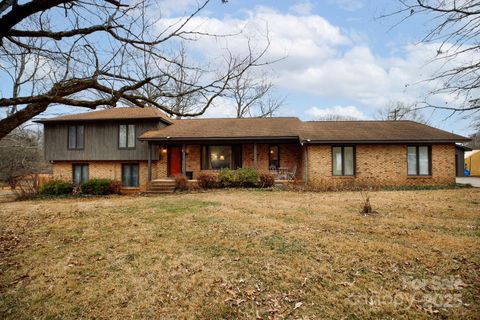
(101, 53)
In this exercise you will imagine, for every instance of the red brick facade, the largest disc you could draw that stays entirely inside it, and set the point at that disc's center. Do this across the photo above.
(378, 164)
(384, 165)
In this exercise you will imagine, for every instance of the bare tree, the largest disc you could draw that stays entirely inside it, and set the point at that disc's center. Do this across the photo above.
(21, 154)
(401, 111)
(474, 142)
(186, 78)
(93, 59)
(455, 32)
(252, 95)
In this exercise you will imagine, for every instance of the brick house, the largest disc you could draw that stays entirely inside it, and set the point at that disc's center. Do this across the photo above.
(138, 146)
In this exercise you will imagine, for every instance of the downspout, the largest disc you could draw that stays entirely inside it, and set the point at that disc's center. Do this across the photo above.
(306, 164)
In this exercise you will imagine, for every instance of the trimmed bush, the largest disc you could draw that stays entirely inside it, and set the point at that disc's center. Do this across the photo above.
(96, 187)
(267, 180)
(207, 180)
(246, 177)
(227, 178)
(181, 182)
(115, 187)
(56, 188)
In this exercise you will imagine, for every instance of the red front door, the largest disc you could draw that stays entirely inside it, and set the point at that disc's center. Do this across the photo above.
(175, 160)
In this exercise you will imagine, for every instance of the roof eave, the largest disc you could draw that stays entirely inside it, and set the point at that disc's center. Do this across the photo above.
(248, 138)
(55, 121)
(311, 141)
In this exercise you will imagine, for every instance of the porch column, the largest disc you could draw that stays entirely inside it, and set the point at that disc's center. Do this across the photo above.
(184, 164)
(255, 155)
(149, 161)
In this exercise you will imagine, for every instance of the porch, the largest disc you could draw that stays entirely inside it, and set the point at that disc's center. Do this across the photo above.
(167, 160)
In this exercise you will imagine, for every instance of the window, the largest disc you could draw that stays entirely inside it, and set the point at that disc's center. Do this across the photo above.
(273, 157)
(418, 160)
(80, 173)
(126, 136)
(343, 161)
(76, 137)
(219, 157)
(130, 175)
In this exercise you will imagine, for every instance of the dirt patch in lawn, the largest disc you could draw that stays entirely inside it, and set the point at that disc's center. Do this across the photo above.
(242, 254)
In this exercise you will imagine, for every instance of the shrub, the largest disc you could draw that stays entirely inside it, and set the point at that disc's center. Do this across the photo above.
(226, 178)
(207, 180)
(115, 187)
(181, 182)
(96, 187)
(267, 180)
(246, 177)
(56, 188)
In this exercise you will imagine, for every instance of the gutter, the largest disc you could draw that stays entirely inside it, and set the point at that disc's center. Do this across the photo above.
(178, 139)
(308, 141)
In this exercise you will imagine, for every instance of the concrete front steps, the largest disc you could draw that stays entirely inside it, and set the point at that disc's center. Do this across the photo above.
(161, 186)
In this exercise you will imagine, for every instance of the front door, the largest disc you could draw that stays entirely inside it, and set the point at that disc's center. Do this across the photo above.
(175, 160)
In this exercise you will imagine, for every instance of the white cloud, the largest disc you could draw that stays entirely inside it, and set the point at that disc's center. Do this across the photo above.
(302, 8)
(343, 111)
(321, 58)
(222, 108)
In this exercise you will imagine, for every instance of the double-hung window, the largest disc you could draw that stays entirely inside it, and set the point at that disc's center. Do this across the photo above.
(80, 173)
(343, 161)
(76, 137)
(126, 136)
(418, 160)
(130, 177)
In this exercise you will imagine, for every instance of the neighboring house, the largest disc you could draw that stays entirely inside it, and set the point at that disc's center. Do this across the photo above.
(472, 162)
(137, 145)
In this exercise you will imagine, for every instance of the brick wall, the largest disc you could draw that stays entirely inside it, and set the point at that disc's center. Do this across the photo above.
(380, 165)
(103, 170)
(192, 159)
(375, 165)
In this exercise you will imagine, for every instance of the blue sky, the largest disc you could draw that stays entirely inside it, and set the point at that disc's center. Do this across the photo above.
(338, 56)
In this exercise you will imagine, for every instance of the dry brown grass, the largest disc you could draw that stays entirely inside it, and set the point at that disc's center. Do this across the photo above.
(242, 254)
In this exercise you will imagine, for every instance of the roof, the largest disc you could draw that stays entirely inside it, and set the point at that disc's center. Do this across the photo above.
(375, 131)
(227, 129)
(119, 113)
(275, 128)
(309, 131)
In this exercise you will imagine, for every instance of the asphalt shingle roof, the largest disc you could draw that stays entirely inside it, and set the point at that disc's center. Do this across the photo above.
(270, 128)
(118, 113)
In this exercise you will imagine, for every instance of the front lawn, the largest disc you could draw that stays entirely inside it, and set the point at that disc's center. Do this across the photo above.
(242, 254)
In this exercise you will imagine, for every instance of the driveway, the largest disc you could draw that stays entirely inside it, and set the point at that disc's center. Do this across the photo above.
(474, 181)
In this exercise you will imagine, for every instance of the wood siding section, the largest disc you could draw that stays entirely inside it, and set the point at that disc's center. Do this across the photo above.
(101, 142)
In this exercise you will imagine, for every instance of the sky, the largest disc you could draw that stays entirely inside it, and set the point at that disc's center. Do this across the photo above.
(335, 56)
